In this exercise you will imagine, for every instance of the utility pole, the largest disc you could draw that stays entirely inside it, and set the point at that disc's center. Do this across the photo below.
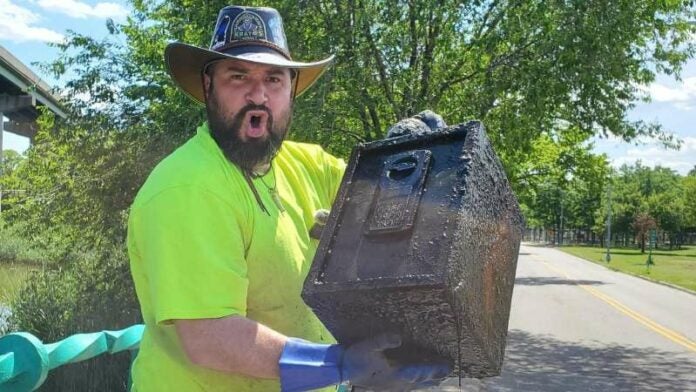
(608, 256)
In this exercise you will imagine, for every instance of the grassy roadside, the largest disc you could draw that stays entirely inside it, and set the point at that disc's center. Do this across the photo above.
(677, 267)
(12, 276)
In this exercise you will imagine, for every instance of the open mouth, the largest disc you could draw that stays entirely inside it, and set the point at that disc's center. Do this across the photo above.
(257, 123)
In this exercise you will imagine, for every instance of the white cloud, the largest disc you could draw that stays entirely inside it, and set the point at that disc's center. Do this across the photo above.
(652, 155)
(606, 141)
(81, 10)
(17, 24)
(683, 95)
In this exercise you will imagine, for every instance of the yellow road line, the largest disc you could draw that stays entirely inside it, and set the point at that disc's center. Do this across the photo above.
(664, 331)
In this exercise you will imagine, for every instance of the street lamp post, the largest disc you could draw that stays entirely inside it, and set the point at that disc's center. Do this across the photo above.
(560, 240)
(559, 222)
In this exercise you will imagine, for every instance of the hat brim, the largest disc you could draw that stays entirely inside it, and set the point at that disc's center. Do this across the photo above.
(185, 65)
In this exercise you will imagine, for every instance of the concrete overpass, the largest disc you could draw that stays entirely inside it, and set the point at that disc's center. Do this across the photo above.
(21, 93)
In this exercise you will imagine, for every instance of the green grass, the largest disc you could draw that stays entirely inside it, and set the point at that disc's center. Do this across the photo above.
(677, 267)
(12, 276)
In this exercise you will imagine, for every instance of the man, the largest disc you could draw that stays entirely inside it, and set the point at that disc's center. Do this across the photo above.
(219, 234)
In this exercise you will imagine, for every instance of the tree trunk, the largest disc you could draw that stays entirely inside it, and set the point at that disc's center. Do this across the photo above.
(680, 238)
(642, 243)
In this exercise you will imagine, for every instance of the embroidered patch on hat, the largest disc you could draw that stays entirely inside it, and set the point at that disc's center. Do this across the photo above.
(248, 25)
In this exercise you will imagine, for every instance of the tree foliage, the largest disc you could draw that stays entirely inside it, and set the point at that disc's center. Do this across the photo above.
(689, 197)
(10, 161)
(523, 67)
(639, 192)
(642, 224)
(562, 182)
(533, 71)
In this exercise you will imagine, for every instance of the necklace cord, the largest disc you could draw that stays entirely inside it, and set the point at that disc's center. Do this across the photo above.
(249, 181)
(270, 189)
(273, 191)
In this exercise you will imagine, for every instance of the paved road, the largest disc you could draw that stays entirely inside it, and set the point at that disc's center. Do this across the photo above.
(577, 326)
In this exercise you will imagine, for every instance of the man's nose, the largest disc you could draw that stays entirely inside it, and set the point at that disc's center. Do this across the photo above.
(257, 93)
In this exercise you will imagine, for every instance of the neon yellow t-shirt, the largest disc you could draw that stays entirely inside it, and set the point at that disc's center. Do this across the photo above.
(201, 247)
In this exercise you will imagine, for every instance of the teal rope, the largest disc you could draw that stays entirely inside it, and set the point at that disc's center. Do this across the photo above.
(7, 364)
(25, 360)
(24, 364)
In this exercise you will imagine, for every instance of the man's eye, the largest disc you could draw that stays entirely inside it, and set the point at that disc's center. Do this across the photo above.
(237, 76)
(274, 79)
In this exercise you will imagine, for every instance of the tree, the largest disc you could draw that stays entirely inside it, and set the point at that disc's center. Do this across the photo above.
(657, 192)
(529, 70)
(689, 198)
(660, 190)
(642, 224)
(9, 189)
(524, 68)
(10, 160)
(562, 183)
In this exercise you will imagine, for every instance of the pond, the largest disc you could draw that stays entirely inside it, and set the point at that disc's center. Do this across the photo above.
(5, 313)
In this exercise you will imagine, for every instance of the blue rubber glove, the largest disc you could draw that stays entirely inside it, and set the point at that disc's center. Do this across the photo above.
(365, 365)
(305, 366)
(422, 123)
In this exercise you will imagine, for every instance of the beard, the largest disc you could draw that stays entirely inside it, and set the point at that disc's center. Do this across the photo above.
(251, 153)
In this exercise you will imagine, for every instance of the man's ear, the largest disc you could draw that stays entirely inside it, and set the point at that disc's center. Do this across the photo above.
(207, 80)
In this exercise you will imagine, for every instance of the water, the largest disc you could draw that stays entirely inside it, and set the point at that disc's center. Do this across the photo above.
(4, 315)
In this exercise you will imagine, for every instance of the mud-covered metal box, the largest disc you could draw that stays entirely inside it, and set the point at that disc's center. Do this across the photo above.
(422, 240)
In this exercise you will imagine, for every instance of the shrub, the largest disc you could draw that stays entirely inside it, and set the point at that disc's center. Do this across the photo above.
(16, 247)
(92, 293)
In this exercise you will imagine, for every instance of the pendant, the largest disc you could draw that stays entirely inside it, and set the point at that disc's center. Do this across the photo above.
(276, 199)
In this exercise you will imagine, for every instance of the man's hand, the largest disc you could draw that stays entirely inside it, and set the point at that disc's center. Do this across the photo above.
(320, 219)
(306, 366)
(422, 123)
(366, 365)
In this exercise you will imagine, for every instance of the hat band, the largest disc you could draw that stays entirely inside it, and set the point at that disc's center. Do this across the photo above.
(240, 47)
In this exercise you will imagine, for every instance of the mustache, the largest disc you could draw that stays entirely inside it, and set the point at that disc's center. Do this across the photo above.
(250, 106)
(226, 131)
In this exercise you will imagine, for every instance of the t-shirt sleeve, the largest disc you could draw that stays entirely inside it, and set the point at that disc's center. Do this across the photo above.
(193, 254)
(334, 168)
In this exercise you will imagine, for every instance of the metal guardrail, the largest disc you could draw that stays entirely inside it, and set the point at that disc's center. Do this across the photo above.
(25, 361)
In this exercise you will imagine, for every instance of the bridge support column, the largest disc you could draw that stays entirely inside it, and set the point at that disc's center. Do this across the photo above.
(2, 130)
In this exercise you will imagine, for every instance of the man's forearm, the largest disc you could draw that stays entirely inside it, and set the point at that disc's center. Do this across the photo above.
(232, 344)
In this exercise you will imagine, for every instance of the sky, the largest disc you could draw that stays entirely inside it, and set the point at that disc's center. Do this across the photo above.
(26, 26)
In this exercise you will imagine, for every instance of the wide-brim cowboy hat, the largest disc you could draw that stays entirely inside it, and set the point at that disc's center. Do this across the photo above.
(251, 34)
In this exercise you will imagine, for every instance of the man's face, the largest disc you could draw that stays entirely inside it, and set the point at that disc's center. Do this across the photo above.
(249, 109)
